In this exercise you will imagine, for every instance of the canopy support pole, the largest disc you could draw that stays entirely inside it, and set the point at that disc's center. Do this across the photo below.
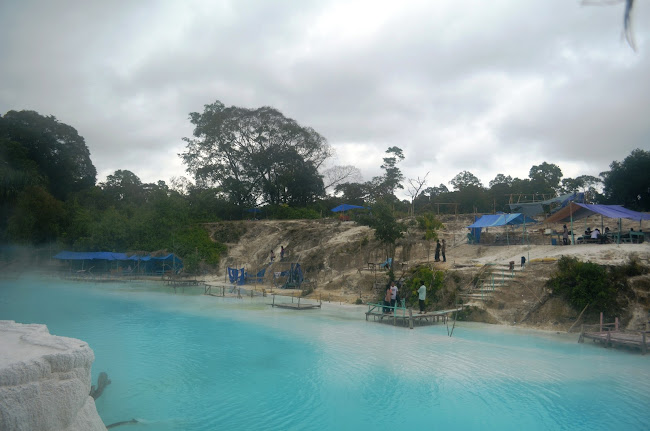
(573, 240)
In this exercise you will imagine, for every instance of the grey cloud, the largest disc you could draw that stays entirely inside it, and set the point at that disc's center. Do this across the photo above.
(432, 78)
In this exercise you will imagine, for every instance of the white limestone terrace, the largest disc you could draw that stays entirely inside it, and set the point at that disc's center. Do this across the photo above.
(44, 381)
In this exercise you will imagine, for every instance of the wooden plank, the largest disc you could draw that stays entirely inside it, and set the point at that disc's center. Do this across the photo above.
(297, 306)
(618, 338)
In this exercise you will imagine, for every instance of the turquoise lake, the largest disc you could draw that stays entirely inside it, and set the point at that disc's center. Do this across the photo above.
(187, 361)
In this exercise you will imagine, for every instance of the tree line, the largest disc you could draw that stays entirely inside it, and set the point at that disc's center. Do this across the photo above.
(239, 160)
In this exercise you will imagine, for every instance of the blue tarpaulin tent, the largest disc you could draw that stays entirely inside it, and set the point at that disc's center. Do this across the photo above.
(491, 220)
(494, 220)
(150, 264)
(577, 211)
(535, 208)
(345, 207)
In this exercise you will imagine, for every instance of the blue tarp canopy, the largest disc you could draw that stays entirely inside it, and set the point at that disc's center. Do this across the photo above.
(150, 263)
(90, 255)
(107, 255)
(345, 207)
(577, 211)
(492, 220)
(534, 208)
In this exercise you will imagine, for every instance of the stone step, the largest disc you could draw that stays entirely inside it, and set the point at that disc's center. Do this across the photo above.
(475, 295)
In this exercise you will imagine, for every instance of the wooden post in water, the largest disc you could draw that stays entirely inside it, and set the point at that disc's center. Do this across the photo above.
(273, 305)
(601, 320)
(410, 318)
(644, 347)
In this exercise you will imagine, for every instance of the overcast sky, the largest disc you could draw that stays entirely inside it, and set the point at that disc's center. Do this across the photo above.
(485, 86)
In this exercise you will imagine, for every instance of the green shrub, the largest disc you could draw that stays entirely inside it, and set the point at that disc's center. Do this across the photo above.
(194, 245)
(582, 283)
(229, 232)
(285, 212)
(433, 280)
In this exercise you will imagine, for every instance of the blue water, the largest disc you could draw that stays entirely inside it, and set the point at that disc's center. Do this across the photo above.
(194, 362)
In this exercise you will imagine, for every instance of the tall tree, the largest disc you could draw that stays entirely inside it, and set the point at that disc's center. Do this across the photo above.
(582, 183)
(393, 176)
(249, 152)
(353, 193)
(628, 182)
(123, 186)
(501, 179)
(38, 217)
(545, 178)
(387, 229)
(436, 191)
(465, 179)
(60, 154)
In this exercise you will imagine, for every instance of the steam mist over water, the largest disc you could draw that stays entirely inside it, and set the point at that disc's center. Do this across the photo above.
(194, 362)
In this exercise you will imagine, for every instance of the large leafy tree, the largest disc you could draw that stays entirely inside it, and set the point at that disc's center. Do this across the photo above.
(252, 154)
(37, 218)
(58, 152)
(501, 179)
(465, 179)
(353, 193)
(500, 192)
(545, 178)
(628, 182)
(123, 186)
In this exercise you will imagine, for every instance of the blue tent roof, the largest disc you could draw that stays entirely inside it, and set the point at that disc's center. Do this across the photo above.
(89, 255)
(491, 220)
(107, 255)
(578, 211)
(345, 207)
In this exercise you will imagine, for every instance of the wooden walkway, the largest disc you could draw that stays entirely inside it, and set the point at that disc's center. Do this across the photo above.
(230, 290)
(295, 305)
(609, 336)
(402, 316)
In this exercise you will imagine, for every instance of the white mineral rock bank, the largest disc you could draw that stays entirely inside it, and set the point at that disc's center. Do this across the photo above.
(44, 381)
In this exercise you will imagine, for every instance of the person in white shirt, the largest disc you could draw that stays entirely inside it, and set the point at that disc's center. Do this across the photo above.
(393, 294)
(422, 295)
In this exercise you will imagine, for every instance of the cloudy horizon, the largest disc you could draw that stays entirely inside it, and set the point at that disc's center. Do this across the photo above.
(486, 87)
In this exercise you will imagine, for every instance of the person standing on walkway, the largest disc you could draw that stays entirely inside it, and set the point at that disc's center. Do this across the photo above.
(443, 250)
(387, 299)
(393, 294)
(281, 252)
(272, 256)
(438, 247)
(565, 236)
(422, 295)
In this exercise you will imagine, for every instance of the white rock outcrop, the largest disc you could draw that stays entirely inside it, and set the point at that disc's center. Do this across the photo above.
(44, 381)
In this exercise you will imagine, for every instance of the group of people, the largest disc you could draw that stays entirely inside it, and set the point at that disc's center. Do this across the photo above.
(282, 252)
(392, 296)
(593, 234)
